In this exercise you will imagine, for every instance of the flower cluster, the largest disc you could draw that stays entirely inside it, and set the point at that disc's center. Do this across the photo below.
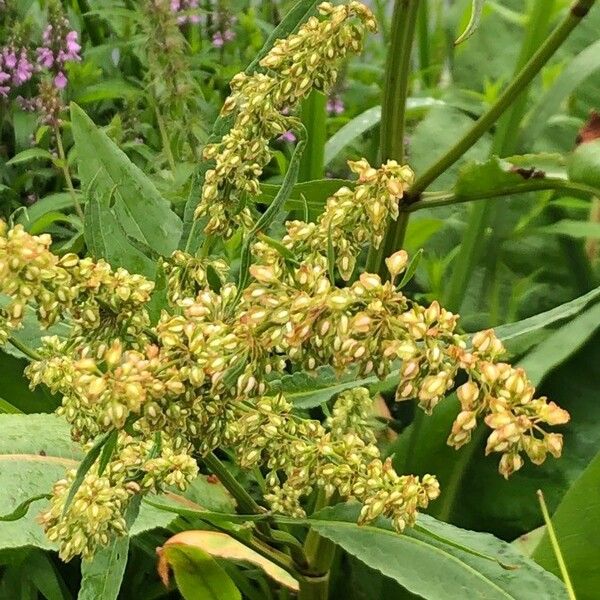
(60, 46)
(352, 218)
(259, 106)
(97, 511)
(169, 74)
(186, 11)
(98, 299)
(506, 397)
(200, 379)
(205, 375)
(15, 68)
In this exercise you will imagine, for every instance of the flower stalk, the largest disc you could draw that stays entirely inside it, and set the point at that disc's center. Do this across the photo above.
(393, 116)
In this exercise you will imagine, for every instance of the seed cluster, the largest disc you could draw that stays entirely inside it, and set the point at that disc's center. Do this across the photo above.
(201, 378)
(260, 105)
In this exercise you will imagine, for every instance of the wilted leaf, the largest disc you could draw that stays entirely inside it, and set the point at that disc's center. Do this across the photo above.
(221, 545)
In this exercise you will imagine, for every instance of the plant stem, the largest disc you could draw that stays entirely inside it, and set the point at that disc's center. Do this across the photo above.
(393, 115)
(65, 170)
(246, 503)
(314, 120)
(521, 81)
(556, 547)
(319, 552)
(424, 44)
(513, 98)
(165, 139)
(33, 354)
(437, 199)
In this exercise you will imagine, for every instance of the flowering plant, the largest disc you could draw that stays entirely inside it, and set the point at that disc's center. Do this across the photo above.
(184, 363)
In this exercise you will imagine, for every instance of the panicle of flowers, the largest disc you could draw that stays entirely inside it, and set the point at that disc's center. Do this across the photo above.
(60, 46)
(97, 511)
(505, 398)
(89, 292)
(352, 218)
(204, 377)
(188, 275)
(260, 103)
(200, 379)
(169, 75)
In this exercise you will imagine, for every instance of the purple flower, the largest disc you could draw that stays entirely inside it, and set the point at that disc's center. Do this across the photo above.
(60, 81)
(228, 35)
(217, 40)
(288, 136)
(45, 57)
(24, 69)
(73, 47)
(335, 106)
(10, 58)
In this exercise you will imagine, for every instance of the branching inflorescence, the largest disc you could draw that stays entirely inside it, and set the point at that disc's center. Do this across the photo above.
(200, 379)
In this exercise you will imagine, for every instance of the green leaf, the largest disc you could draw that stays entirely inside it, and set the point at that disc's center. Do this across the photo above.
(572, 228)
(307, 390)
(101, 577)
(561, 344)
(477, 179)
(54, 202)
(366, 121)
(351, 131)
(35, 451)
(106, 239)
(272, 211)
(411, 269)
(30, 154)
(139, 207)
(438, 560)
(22, 509)
(109, 89)
(517, 337)
(84, 466)
(198, 575)
(16, 388)
(474, 20)
(577, 522)
(584, 165)
(222, 545)
(573, 75)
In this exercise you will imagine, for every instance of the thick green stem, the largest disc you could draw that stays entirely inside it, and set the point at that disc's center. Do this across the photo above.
(524, 77)
(393, 115)
(314, 120)
(319, 552)
(424, 44)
